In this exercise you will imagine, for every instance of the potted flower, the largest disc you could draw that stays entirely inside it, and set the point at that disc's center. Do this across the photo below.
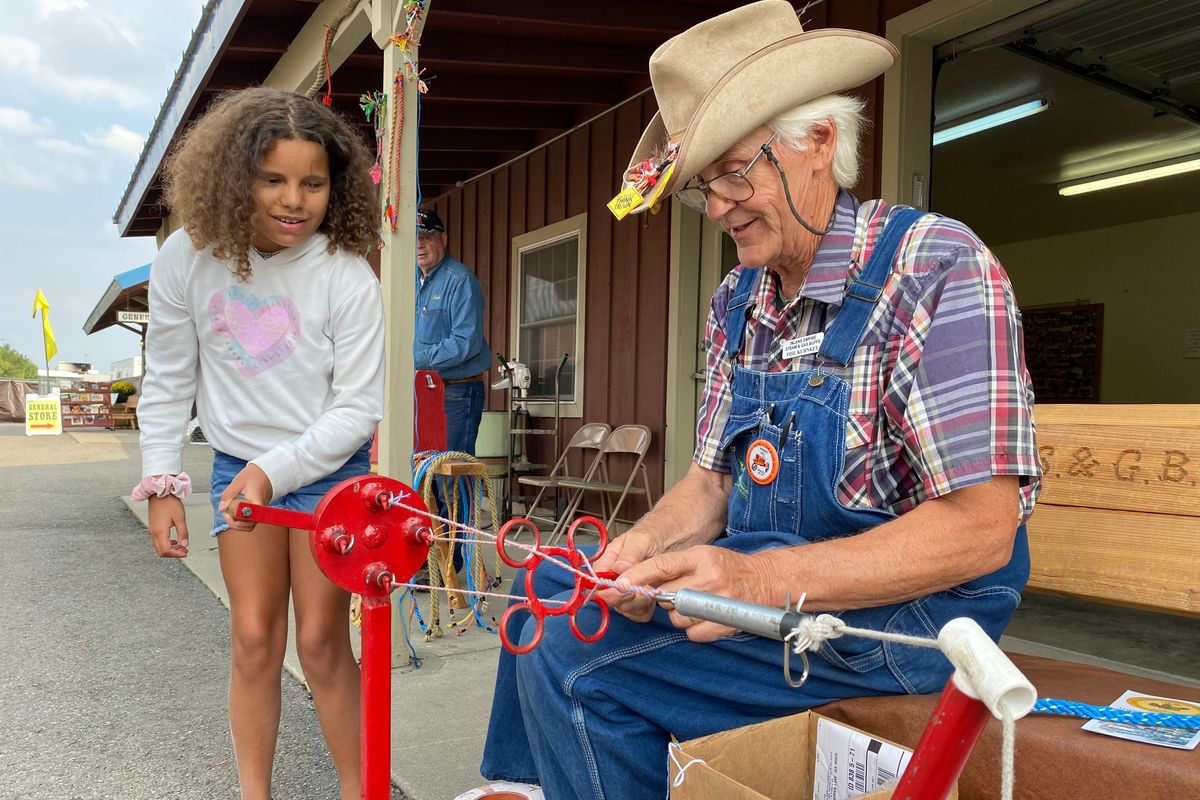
(121, 391)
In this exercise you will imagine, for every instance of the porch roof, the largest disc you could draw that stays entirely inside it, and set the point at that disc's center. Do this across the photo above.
(500, 84)
(129, 291)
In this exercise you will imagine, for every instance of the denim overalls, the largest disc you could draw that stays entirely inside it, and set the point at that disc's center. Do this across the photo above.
(598, 717)
(799, 503)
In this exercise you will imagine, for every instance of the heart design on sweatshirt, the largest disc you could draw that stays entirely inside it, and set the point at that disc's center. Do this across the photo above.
(261, 331)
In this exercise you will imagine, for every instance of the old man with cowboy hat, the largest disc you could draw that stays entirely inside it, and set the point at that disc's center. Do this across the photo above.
(865, 438)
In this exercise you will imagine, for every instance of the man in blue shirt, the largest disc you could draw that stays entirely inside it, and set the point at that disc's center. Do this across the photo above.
(449, 336)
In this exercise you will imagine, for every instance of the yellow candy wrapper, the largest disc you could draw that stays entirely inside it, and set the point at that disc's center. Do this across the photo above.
(625, 202)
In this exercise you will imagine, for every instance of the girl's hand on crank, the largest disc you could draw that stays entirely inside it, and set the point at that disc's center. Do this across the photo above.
(707, 569)
(167, 513)
(253, 486)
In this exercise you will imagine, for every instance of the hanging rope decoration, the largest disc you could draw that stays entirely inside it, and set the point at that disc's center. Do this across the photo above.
(327, 98)
(374, 106)
(323, 73)
(405, 41)
(465, 498)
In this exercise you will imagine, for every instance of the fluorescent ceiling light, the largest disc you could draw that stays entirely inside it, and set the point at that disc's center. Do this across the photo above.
(990, 119)
(1146, 172)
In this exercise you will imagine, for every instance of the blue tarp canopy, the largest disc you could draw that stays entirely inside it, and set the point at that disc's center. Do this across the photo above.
(129, 291)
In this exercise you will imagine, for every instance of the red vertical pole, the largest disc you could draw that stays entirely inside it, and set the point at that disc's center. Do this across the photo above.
(376, 744)
(942, 752)
(429, 417)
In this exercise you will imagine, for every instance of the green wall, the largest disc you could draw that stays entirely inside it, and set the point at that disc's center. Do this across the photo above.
(1147, 275)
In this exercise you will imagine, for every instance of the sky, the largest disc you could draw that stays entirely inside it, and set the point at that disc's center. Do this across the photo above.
(81, 82)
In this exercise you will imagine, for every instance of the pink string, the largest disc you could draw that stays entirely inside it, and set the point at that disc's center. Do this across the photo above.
(489, 538)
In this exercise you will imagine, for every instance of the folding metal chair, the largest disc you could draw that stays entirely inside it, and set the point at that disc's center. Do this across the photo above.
(590, 436)
(630, 439)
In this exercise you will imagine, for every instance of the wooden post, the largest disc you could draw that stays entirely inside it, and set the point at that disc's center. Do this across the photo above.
(398, 258)
(397, 267)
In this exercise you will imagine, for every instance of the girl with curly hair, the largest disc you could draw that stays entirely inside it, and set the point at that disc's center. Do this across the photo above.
(264, 311)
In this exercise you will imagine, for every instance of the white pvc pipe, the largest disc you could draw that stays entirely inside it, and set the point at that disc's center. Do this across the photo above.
(983, 671)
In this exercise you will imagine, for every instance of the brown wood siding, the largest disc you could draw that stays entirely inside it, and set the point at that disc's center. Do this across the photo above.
(627, 263)
(627, 277)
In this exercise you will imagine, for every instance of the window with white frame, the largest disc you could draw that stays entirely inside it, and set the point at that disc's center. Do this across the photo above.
(547, 311)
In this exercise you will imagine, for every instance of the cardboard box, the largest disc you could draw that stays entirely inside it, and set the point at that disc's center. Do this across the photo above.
(778, 760)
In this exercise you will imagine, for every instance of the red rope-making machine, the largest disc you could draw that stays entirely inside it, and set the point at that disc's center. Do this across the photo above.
(370, 534)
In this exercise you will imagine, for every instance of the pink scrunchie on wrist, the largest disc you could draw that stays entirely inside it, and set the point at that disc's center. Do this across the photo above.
(150, 486)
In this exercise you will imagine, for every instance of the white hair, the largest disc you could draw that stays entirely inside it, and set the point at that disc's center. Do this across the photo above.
(844, 113)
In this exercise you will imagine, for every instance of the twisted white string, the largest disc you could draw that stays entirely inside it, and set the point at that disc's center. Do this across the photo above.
(813, 631)
(469, 592)
(672, 749)
(1007, 753)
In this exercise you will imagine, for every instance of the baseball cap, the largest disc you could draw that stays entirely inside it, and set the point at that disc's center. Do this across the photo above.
(429, 222)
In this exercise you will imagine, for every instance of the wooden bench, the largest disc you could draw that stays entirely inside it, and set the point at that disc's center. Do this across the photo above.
(1118, 521)
(1119, 516)
(125, 414)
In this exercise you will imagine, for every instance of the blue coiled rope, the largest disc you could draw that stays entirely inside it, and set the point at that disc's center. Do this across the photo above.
(1048, 705)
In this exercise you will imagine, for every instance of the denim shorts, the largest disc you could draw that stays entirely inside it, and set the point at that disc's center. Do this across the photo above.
(225, 468)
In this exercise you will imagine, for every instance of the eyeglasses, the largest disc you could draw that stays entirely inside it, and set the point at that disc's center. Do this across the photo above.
(732, 186)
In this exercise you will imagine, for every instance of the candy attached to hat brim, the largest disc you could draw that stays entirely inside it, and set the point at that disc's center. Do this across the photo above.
(722, 118)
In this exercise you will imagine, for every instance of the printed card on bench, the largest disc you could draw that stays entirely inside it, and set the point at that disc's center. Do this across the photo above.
(1179, 738)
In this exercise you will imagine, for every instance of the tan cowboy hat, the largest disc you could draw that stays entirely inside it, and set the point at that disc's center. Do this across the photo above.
(723, 78)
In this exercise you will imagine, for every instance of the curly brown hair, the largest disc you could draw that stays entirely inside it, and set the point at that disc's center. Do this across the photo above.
(209, 176)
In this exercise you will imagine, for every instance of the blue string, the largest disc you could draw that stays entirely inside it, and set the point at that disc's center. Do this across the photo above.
(1047, 705)
(404, 627)
(463, 516)
(420, 619)
(468, 553)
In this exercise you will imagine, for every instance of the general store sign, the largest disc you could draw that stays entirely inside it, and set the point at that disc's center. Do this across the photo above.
(133, 316)
(43, 415)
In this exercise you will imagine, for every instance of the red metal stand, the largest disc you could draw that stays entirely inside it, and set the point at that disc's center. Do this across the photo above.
(376, 745)
(942, 752)
(365, 546)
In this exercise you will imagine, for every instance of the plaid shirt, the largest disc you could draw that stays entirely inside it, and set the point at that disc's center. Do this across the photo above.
(939, 394)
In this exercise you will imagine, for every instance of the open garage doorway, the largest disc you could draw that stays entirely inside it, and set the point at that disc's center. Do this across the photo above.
(1101, 253)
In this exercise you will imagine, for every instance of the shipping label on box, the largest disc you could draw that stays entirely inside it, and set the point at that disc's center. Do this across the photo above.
(800, 757)
(850, 763)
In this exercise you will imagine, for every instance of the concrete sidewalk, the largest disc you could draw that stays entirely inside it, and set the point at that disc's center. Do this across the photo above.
(439, 711)
(114, 663)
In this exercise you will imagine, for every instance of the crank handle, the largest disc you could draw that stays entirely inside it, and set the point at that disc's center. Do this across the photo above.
(269, 515)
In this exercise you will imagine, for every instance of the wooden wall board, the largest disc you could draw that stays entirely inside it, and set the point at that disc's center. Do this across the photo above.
(1164, 415)
(1130, 558)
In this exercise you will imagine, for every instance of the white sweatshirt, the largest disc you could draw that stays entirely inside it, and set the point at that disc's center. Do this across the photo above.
(286, 369)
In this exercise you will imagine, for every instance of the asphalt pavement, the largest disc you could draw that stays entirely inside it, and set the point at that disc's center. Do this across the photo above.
(114, 662)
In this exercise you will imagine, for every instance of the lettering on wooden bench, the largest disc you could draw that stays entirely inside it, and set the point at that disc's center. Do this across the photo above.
(1170, 465)
(1118, 518)
(1129, 468)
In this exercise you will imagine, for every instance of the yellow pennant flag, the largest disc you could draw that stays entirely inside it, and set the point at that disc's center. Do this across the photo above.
(39, 302)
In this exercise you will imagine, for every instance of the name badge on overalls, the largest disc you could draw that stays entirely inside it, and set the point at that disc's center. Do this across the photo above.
(802, 346)
(762, 462)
